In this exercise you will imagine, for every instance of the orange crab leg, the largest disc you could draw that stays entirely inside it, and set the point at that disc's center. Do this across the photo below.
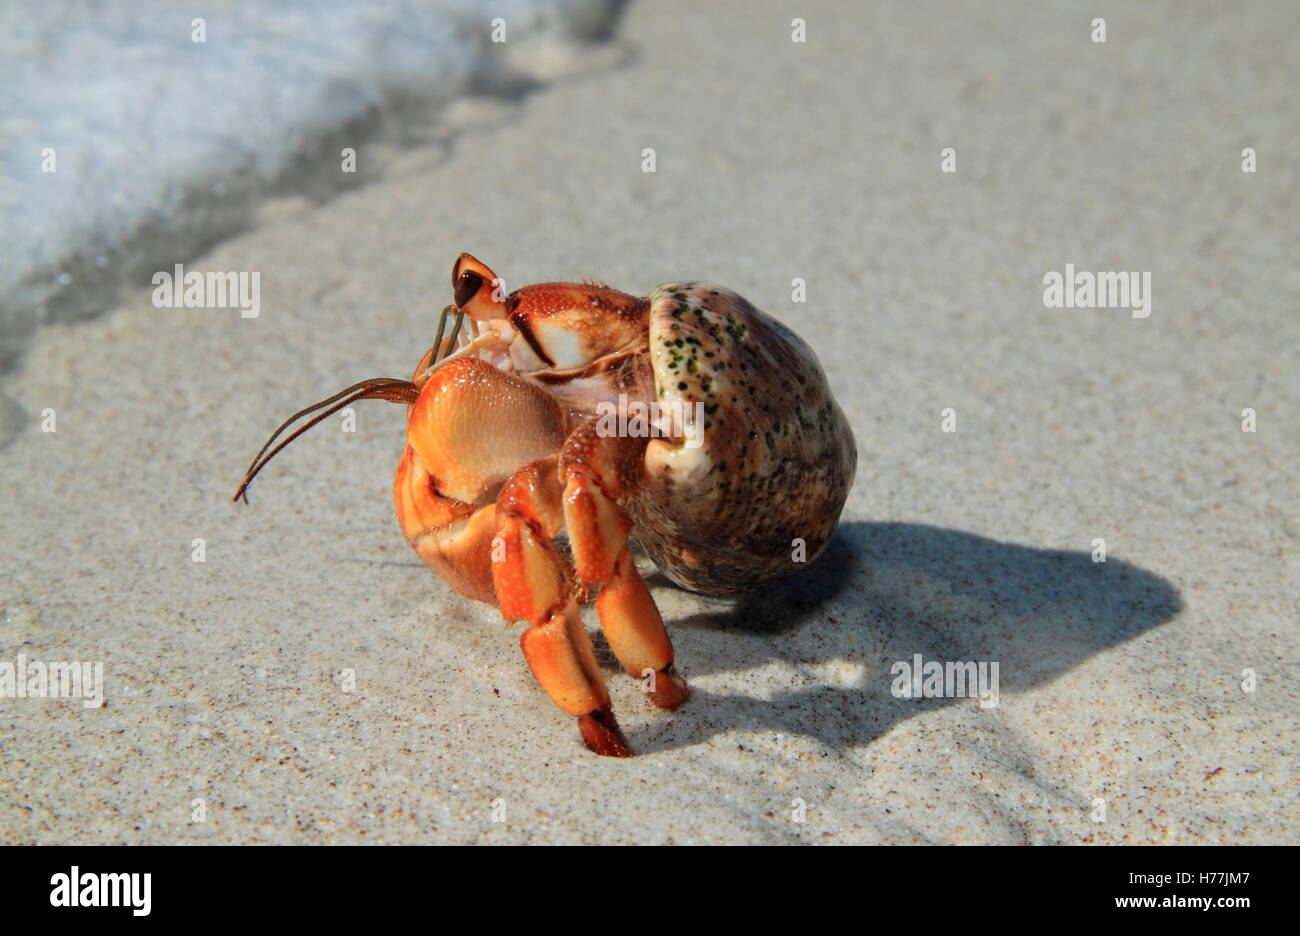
(597, 470)
(533, 584)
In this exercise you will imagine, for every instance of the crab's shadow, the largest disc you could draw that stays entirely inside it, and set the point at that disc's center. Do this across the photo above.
(882, 593)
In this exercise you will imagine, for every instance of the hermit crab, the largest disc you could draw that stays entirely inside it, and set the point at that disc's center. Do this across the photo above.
(687, 421)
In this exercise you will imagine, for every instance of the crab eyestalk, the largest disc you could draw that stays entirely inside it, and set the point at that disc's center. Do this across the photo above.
(477, 290)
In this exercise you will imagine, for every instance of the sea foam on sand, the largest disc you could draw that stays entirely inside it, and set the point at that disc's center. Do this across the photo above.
(145, 127)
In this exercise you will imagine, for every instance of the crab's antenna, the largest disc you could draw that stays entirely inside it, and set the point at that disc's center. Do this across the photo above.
(376, 388)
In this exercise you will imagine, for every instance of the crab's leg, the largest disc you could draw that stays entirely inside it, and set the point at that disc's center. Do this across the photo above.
(533, 584)
(454, 538)
(598, 470)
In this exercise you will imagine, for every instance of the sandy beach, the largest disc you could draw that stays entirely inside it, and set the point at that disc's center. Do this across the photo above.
(311, 681)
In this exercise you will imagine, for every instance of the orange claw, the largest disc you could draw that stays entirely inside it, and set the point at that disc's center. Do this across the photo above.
(454, 538)
(452, 465)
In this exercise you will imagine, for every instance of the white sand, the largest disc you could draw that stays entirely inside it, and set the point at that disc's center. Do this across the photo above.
(775, 160)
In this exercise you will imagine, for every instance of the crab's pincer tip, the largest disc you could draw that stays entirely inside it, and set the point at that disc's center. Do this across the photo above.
(601, 732)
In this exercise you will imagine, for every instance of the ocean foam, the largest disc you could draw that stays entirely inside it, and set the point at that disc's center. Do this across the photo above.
(161, 140)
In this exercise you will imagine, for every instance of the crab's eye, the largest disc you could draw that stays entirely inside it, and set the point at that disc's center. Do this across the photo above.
(467, 287)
